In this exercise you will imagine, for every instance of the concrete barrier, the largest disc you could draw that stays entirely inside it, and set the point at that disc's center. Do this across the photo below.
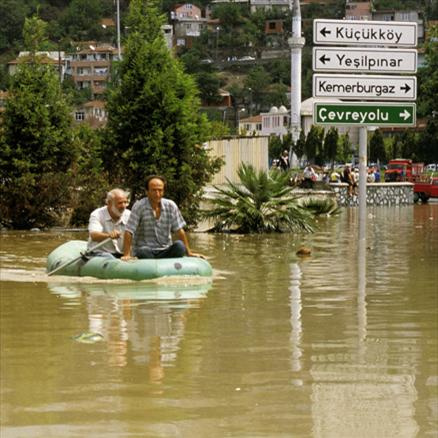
(377, 194)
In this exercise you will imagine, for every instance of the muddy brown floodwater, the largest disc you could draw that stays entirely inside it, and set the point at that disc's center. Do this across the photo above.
(342, 343)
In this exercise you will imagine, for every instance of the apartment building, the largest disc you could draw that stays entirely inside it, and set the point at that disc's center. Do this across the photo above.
(251, 126)
(90, 67)
(92, 112)
(188, 23)
(357, 10)
(55, 59)
(407, 15)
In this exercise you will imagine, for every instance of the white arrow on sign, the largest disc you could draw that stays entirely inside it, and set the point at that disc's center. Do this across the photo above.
(352, 32)
(364, 60)
(365, 87)
(405, 115)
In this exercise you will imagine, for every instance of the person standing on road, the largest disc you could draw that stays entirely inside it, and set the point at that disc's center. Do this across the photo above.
(284, 161)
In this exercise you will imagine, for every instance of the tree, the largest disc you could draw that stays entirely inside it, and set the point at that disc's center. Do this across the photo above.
(428, 76)
(34, 34)
(36, 143)
(90, 179)
(300, 146)
(255, 28)
(81, 19)
(261, 203)
(208, 84)
(258, 80)
(428, 142)
(331, 144)
(12, 15)
(377, 147)
(344, 151)
(314, 144)
(409, 145)
(394, 147)
(154, 123)
(275, 147)
(428, 92)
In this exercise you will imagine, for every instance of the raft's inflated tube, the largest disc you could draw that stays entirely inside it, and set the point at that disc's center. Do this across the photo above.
(106, 268)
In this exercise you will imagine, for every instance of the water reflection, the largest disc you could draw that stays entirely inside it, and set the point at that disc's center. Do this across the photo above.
(361, 392)
(296, 307)
(144, 323)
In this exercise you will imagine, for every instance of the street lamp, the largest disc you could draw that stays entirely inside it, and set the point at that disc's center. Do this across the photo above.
(242, 110)
(250, 101)
(217, 41)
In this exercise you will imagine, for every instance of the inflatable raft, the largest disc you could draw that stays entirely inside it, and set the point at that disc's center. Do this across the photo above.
(106, 268)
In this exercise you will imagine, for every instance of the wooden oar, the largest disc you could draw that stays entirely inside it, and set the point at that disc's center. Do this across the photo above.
(84, 254)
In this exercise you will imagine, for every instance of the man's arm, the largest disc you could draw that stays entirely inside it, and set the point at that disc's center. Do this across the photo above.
(183, 236)
(98, 236)
(127, 242)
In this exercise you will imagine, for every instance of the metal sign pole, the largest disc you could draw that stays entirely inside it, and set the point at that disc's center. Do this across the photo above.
(363, 141)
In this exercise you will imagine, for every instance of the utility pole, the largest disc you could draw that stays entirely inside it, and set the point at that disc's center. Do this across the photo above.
(296, 44)
(118, 30)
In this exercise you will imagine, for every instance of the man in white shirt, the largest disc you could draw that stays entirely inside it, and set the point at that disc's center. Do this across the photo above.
(109, 222)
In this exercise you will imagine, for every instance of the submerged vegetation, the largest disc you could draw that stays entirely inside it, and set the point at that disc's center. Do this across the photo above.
(264, 202)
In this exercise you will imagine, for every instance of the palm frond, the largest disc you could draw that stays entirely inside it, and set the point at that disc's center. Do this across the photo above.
(262, 202)
(321, 207)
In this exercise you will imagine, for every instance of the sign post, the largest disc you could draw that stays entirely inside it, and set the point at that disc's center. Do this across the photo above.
(364, 114)
(364, 60)
(365, 87)
(368, 33)
(362, 87)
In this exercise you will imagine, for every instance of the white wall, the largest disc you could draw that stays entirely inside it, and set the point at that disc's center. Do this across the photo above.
(249, 150)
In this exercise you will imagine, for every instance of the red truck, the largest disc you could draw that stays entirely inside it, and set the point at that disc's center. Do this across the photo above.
(426, 189)
(401, 169)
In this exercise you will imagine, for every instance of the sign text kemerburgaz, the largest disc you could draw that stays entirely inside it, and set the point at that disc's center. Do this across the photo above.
(365, 86)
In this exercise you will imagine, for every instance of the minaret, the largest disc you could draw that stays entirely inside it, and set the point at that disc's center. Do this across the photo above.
(296, 44)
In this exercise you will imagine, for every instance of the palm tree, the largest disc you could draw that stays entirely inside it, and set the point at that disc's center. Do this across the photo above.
(262, 202)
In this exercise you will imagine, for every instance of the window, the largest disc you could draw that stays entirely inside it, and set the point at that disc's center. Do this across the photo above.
(99, 84)
(83, 84)
(80, 116)
(258, 126)
(101, 71)
(83, 71)
(272, 25)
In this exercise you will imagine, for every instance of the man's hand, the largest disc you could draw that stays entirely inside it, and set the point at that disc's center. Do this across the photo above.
(126, 258)
(115, 234)
(196, 254)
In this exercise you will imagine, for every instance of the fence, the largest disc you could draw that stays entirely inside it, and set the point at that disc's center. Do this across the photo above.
(250, 150)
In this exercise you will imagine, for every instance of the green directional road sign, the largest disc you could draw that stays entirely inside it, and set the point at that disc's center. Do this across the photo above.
(364, 114)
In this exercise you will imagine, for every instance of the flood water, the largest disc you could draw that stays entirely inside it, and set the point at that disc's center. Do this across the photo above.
(339, 344)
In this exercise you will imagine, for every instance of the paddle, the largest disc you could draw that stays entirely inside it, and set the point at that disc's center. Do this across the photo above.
(84, 254)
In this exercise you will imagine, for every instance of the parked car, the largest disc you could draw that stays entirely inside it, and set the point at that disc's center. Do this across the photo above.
(247, 58)
(206, 61)
(425, 190)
